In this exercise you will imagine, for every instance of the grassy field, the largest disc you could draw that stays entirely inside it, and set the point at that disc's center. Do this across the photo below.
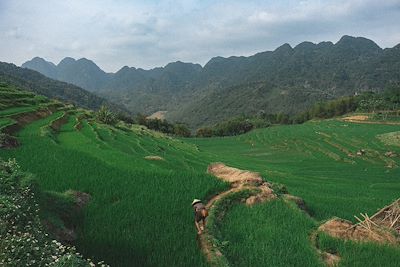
(140, 211)
(316, 161)
(270, 234)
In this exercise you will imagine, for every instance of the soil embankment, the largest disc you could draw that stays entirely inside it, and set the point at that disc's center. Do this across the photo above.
(365, 119)
(24, 119)
(239, 180)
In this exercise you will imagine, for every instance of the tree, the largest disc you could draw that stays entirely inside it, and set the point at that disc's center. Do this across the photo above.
(181, 129)
(205, 132)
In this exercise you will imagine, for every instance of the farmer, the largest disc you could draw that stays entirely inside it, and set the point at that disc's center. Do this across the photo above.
(200, 214)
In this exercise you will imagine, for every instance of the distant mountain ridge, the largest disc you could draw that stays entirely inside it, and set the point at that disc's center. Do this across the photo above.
(34, 81)
(83, 72)
(286, 80)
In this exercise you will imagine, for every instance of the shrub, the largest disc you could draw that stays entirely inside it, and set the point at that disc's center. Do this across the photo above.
(205, 132)
(125, 118)
(235, 126)
(178, 129)
(181, 130)
(104, 115)
(279, 189)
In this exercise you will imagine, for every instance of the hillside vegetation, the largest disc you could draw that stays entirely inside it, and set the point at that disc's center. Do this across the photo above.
(37, 83)
(287, 80)
(140, 209)
(383, 106)
(142, 182)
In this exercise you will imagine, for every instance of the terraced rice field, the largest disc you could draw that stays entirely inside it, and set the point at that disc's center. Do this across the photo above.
(140, 212)
(317, 161)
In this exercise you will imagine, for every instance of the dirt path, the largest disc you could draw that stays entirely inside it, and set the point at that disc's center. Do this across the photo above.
(364, 119)
(240, 180)
(205, 238)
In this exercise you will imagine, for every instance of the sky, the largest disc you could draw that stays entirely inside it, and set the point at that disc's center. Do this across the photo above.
(152, 33)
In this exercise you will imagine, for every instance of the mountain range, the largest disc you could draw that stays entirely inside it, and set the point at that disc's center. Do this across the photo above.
(286, 80)
(31, 80)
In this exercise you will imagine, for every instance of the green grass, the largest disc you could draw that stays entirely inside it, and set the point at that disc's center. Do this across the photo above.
(356, 254)
(140, 211)
(14, 101)
(269, 234)
(17, 110)
(4, 122)
(313, 161)
(391, 139)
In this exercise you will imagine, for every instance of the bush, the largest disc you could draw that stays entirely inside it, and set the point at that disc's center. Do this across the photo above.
(181, 130)
(164, 126)
(230, 127)
(125, 118)
(104, 115)
(205, 132)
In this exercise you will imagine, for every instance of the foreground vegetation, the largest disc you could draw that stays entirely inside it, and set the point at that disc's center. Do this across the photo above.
(24, 241)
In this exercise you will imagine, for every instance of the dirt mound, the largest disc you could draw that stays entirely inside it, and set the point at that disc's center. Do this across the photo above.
(240, 180)
(344, 229)
(243, 179)
(365, 119)
(234, 175)
(356, 118)
(154, 158)
(378, 228)
(266, 194)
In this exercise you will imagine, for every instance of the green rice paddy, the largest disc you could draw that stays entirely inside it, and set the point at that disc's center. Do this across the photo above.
(317, 161)
(140, 213)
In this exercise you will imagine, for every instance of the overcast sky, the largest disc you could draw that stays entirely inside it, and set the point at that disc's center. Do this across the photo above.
(154, 32)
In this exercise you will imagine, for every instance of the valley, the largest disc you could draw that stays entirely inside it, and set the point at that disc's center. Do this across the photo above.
(286, 80)
(142, 182)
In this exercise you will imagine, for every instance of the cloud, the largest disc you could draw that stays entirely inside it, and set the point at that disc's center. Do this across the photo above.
(152, 33)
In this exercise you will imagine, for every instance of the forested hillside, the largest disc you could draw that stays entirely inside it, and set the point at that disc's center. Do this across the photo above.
(286, 80)
(33, 81)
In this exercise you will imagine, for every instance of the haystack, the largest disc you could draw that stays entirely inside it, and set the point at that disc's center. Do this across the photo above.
(378, 228)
